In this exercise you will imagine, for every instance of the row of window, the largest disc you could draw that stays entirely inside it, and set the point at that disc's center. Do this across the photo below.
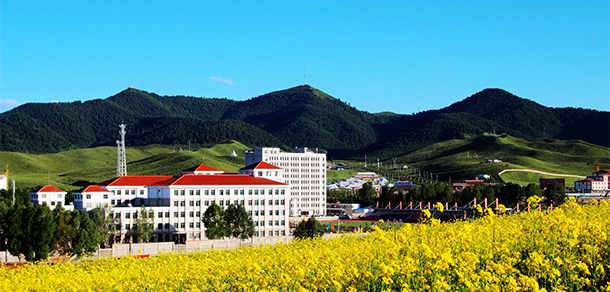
(44, 196)
(126, 192)
(228, 202)
(193, 214)
(166, 226)
(228, 192)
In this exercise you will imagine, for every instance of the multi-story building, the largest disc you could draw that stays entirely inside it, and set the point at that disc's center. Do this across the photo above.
(599, 181)
(304, 171)
(50, 196)
(179, 202)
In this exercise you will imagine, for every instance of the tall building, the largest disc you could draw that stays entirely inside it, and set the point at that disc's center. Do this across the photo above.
(304, 171)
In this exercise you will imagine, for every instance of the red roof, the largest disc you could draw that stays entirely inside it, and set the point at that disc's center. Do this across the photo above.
(217, 180)
(50, 189)
(261, 165)
(201, 167)
(94, 189)
(133, 181)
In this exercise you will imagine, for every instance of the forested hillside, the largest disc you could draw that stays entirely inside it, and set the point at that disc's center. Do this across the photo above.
(295, 117)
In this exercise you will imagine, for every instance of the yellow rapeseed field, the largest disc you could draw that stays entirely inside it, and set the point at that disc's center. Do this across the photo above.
(566, 249)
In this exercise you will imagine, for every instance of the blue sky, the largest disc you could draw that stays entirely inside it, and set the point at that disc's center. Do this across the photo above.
(399, 56)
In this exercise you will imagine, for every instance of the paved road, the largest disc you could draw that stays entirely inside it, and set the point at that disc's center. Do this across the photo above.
(542, 172)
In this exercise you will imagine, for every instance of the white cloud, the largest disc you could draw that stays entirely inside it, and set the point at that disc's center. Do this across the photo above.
(223, 80)
(8, 102)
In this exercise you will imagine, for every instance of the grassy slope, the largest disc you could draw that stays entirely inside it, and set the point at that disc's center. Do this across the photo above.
(73, 169)
(451, 158)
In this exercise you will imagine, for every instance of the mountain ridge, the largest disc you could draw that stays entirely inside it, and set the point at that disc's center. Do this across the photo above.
(293, 117)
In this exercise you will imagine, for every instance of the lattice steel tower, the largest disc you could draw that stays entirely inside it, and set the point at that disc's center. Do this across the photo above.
(121, 161)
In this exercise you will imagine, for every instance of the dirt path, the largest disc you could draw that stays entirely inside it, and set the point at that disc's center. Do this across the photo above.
(542, 172)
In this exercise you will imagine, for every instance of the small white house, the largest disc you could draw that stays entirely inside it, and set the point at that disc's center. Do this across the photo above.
(50, 196)
(92, 197)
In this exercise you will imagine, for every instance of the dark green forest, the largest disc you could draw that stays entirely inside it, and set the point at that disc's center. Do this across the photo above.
(295, 117)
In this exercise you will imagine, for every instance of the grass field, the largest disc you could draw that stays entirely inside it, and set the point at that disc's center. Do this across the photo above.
(456, 158)
(74, 169)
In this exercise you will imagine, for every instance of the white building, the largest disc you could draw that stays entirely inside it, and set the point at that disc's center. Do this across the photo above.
(50, 196)
(304, 171)
(179, 202)
(92, 197)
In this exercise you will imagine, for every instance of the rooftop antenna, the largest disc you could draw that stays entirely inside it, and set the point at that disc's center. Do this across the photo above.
(304, 80)
(121, 163)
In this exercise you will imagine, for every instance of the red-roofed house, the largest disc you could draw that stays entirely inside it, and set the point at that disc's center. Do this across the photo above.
(264, 170)
(50, 196)
(92, 197)
(599, 181)
(179, 202)
(203, 169)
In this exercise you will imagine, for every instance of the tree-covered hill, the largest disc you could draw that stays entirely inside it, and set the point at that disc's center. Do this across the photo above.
(295, 117)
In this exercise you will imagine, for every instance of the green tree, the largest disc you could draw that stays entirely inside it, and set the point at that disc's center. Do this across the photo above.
(87, 237)
(308, 229)
(29, 231)
(64, 232)
(555, 193)
(106, 221)
(214, 222)
(144, 224)
(239, 222)
(366, 194)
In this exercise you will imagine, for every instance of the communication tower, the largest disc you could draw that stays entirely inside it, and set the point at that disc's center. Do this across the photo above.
(121, 161)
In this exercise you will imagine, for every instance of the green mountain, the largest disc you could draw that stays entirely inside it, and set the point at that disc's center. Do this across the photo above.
(299, 116)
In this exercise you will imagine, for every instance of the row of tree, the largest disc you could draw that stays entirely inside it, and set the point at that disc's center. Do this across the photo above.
(232, 222)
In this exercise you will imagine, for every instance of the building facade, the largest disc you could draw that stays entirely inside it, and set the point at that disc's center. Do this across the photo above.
(178, 203)
(598, 182)
(304, 171)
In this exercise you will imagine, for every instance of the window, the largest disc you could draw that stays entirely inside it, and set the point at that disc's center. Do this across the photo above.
(213, 192)
(191, 214)
(181, 203)
(198, 192)
(270, 212)
(175, 192)
(111, 202)
(105, 196)
(191, 225)
(175, 203)
(160, 226)
(133, 192)
(182, 192)
(249, 192)
(277, 233)
(166, 225)
(270, 202)
(118, 192)
(206, 192)
(220, 192)
(160, 215)
(197, 214)
(282, 192)
(175, 225)
(135, 215)
(197, 224)
(235, 202)
(277, 222)
(250, 213)
(167, 214)
(127, 227)
(262, 202)
(277, 192)
(191, 203)
(241, 192)
(277, 212)
(262, 223)
(221, 203)
(182, 225)
(191, 192)
(255, 212)
(175, 214)
(235, 192)
(283, 202)
(283, 232)
(283, 212)
(182, 214)
(206, 203)
(270, 222)
(277, 202)
(52, 203)
(283, 222)
(241, 202)
(262, 192)
(255, 202)
(249, 202)
(88, 197)
(141, 192)
(127, 215)
(256, 192)
(270, 233)
(197, 203)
